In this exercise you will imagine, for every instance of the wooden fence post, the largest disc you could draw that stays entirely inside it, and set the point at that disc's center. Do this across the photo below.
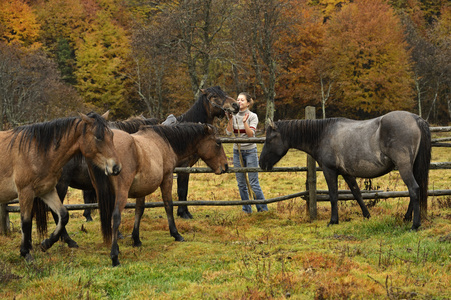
(4, 220)
(310, 113)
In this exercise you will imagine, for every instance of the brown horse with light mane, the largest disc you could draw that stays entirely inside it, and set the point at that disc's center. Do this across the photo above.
(32, 158)
(149, 158)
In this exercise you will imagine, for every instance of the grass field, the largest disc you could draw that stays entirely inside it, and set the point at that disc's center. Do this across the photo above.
(231, 255)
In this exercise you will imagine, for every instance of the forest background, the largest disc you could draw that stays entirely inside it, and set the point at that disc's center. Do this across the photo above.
(356, 59)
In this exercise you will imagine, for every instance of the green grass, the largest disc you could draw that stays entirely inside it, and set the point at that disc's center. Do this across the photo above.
(231, 255)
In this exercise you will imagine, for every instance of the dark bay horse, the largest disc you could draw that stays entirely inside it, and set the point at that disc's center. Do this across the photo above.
(31, 160)
(149, 158)
(364, 149)
(212, 103)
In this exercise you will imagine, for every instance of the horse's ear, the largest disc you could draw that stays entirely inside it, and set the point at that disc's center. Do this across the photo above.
(208, 129)
(105, 115)
(85, 117)
(271, 123)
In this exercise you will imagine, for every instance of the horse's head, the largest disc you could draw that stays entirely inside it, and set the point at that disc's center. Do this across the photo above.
(210, 150)
(220, 102)
(274, 149)
(97, 143)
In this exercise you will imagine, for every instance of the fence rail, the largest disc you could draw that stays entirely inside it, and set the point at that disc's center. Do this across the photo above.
(311, 195)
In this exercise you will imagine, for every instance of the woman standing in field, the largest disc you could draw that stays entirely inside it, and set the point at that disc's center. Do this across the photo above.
(244, 124)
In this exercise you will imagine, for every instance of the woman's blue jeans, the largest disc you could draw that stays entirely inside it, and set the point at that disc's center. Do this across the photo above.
(250, 159)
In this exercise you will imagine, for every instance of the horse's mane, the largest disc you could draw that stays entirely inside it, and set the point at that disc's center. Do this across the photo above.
(197, 112)
(48, 134)
(305, 131)
(132, 125)
(180, 135)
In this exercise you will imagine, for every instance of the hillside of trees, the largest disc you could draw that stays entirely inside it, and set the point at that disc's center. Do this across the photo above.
(351, 58)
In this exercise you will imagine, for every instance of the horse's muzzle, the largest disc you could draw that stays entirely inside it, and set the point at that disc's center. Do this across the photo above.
(225, 169)
(113, 171)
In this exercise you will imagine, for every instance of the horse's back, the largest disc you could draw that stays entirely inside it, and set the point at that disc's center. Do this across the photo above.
(154, 161)
(371, 148)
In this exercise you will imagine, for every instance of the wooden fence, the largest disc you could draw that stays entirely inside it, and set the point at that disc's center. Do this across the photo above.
(311, 195)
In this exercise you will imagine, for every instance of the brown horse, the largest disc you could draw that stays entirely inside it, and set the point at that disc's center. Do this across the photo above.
(149, 158)
(31, 160)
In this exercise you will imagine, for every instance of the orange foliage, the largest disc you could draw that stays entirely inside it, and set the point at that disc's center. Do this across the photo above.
(18, 24)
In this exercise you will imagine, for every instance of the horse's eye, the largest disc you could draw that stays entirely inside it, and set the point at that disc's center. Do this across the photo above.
(98, 139)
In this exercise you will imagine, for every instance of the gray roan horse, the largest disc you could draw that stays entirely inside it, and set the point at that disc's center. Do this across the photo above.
(367, 149)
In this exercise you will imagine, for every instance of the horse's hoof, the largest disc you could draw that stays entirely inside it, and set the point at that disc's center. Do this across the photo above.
(29, 258)
(71, 243)
(179, 238)
(44, 246)
(116, 262)
(332, 223)
(89, 219)
(137, 244)
(185, 215)
(368, 216)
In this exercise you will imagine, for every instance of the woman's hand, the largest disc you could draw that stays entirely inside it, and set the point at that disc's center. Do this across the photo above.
(246, 116)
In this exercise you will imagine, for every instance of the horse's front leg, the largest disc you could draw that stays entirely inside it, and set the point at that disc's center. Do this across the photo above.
(139, 211)
(121, 200)
(352, 183)
(26, 206)
(166, 192)
(54, 202)
(331, 179)
(182, 192)
(61, 189)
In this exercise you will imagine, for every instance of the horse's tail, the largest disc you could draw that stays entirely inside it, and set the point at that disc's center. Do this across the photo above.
(106, 199)
(40, 211)
(422, 165)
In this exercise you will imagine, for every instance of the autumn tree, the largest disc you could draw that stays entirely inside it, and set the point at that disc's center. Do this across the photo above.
(303, 76)
(18, 24)
(366, 48)
(261, 24)
(30, 88)
(101, 57)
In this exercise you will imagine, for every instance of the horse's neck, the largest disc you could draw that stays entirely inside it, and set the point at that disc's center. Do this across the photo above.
(197, 114)
(68, 148)
(308, 135)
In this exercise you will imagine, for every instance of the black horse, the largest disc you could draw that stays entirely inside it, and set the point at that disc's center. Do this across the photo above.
(367, 149)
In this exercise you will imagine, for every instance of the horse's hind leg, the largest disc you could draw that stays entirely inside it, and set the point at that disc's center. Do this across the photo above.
(352, 183)
(414, 193)
(139, 211)
(53, 201)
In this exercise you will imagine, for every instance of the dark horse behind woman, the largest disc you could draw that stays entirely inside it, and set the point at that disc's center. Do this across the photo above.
(149, 158)
(367, 149)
